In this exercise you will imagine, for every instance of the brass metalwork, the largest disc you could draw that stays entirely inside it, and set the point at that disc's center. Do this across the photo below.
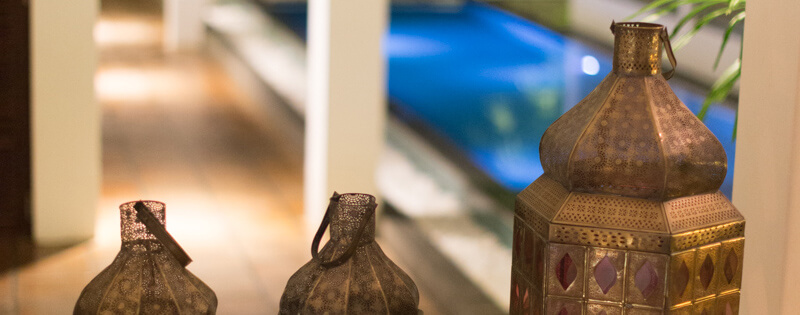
(631, 186)
(146, 277)
(351, 274)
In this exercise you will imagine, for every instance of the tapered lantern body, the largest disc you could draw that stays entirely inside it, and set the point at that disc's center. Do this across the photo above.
(145, 277)
(628, 218)
(351, 274)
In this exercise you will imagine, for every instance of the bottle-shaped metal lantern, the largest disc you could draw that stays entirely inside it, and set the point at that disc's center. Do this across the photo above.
(148, 276)
(351, 275)
(628, 217)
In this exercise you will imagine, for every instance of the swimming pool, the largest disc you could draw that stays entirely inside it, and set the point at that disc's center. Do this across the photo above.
(490, 82)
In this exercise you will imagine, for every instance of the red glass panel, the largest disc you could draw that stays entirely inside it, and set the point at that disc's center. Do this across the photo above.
(646, 279)
(566, 272)
(731, 264)
(706, 272)
(605, 274)
(681, 278)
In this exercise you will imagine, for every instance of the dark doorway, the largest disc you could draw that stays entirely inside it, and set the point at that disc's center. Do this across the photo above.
(14, 119)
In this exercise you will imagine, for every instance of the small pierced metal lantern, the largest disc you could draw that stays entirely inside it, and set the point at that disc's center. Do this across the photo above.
(628, 217)
(148, 276)
(351, 275)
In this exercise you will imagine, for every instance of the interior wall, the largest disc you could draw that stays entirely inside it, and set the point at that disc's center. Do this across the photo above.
(346, 110)
(14, 119)
(65, 134)
(183, 24)
(767, 181)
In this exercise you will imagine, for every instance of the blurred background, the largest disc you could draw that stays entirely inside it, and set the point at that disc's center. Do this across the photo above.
(244, 115)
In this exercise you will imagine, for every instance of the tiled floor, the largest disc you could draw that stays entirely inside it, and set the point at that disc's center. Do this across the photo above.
(174, 131)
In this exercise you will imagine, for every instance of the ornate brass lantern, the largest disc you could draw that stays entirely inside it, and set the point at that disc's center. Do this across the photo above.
(149, 274)
(628, 218)
(351, 274)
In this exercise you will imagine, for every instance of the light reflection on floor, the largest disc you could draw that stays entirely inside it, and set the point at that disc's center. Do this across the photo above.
(172, 132)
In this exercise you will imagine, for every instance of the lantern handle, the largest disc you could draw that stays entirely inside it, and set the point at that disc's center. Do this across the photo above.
(671, 55)
(664, 36)
(351, 250)
(144, 215)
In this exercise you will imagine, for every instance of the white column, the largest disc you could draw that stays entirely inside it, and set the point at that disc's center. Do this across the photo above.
(345, 114)
(65, 121)
(183, 24)
(766, 186)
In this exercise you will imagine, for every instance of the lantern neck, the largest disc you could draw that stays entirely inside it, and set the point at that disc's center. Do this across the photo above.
(133, 230)
(351, 211)
(637, 49)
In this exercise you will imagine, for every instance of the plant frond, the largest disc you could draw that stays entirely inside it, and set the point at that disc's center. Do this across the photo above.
(722, 87)
(734, 20)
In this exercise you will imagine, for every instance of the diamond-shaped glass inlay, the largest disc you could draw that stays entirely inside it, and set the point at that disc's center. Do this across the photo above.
(731, 264)
(706, 272)
(646, 279)
(563, 311)
(605, 274)
(566, 272)
(681, 278)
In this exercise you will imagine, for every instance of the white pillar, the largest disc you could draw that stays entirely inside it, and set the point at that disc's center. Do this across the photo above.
(183, 24)
(766, 185)
(65, 121)
(345, 114)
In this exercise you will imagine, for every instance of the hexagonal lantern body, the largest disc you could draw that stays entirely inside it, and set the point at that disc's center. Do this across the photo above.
(628, 218)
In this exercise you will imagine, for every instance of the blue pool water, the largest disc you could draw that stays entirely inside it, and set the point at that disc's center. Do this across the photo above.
(491, 82)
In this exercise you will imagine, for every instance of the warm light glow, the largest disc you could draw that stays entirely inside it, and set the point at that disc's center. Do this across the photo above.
(119, 32)
(590, 65)
(131, 85)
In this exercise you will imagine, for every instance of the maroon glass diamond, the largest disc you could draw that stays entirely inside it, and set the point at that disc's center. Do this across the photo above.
(605, 274)
(566, 272)
(706, 272)
(681, 278)
(731, 264)
(646, 279)
(563, 311)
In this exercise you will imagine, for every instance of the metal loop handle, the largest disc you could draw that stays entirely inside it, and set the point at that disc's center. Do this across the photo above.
(670, 55)
(351, 250)
(144, 215)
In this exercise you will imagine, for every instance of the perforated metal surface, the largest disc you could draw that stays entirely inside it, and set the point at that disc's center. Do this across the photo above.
(144, 278)
(630, 193)
(689, 213)
(366, 283)
(637, 49)
(604, 211)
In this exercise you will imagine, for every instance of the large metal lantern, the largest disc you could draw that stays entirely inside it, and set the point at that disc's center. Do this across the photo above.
(628, 217)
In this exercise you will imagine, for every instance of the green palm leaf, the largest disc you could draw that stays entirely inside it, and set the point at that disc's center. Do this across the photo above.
(734, 20)
(722, 87)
